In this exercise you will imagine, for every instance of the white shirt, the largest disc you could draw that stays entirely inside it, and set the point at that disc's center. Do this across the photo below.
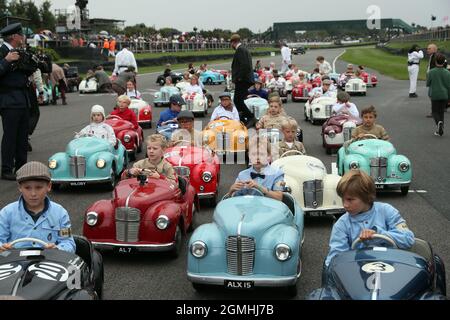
(415, 56)
(286, 54)
(190, 89)
(134, 94)
(325, 68)
(221, 111)
(344, 108)
(280, 83)
(318, 92)
(100, 130)
(123, 59)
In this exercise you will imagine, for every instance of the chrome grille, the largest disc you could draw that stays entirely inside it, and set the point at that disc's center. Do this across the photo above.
(182, 171)
(355, 86)
(78, 166)
(190, 105)
(240, 255)
(305, 92)
(223, 141)
(127, 224)
(328, 110)
(165, 96)
(378, 169)
(313, 193)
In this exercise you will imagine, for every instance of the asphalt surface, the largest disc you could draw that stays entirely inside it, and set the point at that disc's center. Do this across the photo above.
(157, 276)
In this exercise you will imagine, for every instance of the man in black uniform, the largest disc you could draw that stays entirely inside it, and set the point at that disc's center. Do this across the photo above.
(243, 79)
(14, 102)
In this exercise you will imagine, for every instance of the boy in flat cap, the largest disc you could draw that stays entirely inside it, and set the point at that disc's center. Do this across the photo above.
(34, 215)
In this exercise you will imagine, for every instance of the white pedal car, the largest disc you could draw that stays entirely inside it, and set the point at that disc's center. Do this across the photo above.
(356, 86)
(258, 106)
(88, 86)
(319, 109)
(197, 103)
(308, 182)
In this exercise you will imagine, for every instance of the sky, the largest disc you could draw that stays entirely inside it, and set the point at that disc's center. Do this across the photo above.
(257, 15)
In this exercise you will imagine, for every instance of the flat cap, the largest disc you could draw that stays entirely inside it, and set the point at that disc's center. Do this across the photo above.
(177, 99)
(33, 171)
(225, 95)
(14, 28)
(185, 114)
(235, 37)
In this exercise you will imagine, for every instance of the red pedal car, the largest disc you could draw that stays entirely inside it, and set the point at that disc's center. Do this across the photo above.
(132, 139)
(202, 167)
(337, 130)
(300, 92)
(145, 214)
(371, 80)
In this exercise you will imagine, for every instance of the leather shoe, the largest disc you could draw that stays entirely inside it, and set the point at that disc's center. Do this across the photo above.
(9, 176)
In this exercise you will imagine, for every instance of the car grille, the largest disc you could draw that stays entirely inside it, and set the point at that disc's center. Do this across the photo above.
(240, 255)
(165, 96)
(223, 141)
(305, 92)
(190, 105)
(378, 169)
(348, 133)
(328, 110)
(355, 87)
(127, 224)
(313, 193)
(182, 171)
(78, 166)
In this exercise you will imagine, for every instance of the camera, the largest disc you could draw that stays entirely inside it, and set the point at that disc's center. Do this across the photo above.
(29, 62)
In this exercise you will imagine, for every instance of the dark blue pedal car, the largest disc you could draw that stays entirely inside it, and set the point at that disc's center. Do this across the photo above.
(384, 273)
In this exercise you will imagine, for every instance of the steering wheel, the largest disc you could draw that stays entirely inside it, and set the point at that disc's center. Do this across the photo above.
(366, 136)
(292, 151)
(224, 117)
(175, 143)
(376, 236)
(247, 192)
(112, 116)
(28, 240)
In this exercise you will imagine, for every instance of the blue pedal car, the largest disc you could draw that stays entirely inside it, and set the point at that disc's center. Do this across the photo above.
(379, 159)
(210, 77)
(384, 273)
(162, 98)
(88, 160)
(253, 241)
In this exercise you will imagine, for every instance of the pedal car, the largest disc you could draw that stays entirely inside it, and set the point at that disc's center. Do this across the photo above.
(379, 159)
(199, 165)
(310, 185)
(197, 103)
(371, 272)
(210, 77)
(337, 130)
(73, 78)
(225, 73)
(226, 137)
(168, 129)
(88, 160)
(34, 273)
(319, 109)
(300, 92)
(253, 241)
(143, 112)
(162, 97)
(88, 86)
(145, 214)
(356, 86)
(47, 95)
(282, 92)
(258, 106)
(370, 80)
(176, 76)
(132, 139)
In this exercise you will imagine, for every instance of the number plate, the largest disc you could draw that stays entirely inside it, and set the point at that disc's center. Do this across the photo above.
(240, 285)
(78, 184)
(125, 250)
(379, 186)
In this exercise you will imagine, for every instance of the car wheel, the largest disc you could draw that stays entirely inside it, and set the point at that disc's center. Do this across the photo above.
(329, 151)
(98, 273)
(292, 290)
(199, 287)
(139, 147)
(178, 239)
(211, 202)
(374, 85)
(404, 190)
(111, 184)
(56, 186)
(313, 122)
(161, 82)
(132, 155)
(194, 222)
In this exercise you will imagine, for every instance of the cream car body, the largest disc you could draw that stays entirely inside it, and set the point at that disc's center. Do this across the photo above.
(320, 108)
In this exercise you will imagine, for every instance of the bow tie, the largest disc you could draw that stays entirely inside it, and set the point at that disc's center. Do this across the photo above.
(255, 175)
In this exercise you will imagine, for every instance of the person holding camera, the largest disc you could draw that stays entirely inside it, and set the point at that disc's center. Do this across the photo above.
(414, 57)
(14, 102)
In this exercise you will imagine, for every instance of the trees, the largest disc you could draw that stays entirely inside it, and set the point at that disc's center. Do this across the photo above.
(48, 19)
(40, 18)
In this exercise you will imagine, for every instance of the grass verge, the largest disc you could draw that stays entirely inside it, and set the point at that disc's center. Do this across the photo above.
(442, 45)
(385, 63)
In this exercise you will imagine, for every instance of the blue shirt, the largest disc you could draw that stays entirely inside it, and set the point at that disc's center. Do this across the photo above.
(53, 226)
(382, 218)
(167, 115)
(261, 93)
(274, 178)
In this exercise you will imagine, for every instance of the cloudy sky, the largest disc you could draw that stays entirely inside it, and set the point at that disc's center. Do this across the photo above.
(257, 15)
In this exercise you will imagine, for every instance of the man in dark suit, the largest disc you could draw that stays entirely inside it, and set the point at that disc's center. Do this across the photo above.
(243, 79)
(432, 50)
(14, 102)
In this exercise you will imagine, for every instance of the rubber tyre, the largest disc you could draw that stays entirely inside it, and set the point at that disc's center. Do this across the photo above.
(175, 252)
(404, 190)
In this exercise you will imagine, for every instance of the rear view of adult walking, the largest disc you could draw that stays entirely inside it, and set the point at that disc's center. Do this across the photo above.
(243, 79)
(414, 57)
(438, 81)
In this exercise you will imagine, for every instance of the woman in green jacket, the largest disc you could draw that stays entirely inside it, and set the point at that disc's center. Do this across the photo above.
(438, 81)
